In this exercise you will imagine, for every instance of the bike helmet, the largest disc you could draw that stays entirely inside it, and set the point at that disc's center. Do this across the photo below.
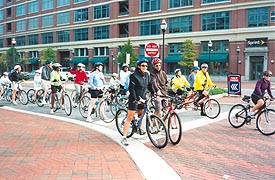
(141, 60)
(267, 73)
(132, 69)
(196, 68)
(98, 64)
(177, 70)
(81, 65)
(156, 61)
(48, 62)
(204, 65)
(56, 65)
(115, 75)
(5, 73)
(125, 65)
(16, 67)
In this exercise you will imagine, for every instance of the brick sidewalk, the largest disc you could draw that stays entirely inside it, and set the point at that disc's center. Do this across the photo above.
(34, 147)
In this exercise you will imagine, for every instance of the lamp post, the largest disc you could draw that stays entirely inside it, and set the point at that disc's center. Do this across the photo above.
(238, 53)
(113, 61)
(210, 44)
(163, 27)
(13, 42)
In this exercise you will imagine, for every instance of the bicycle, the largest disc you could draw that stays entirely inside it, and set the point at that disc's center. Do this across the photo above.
(265, 117)
(67, 102)
(155, 127)
(4, 95)
(21, 95)
(40, 96)
(83, 92)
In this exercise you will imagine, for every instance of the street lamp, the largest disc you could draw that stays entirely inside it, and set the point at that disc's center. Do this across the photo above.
(163, 27)
(13, 42)
(210, 44)
(238, 53)
(113, 61)
(272, 61)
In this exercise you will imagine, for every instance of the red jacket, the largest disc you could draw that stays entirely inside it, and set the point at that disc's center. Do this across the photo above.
(80, 76)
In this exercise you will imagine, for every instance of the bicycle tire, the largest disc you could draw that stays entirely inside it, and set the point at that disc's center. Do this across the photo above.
(104, 110)
(23, 97)
(212, 108)
(73, 97)
(156, 131)
(8, 95)
(84, 105)
(120, 119)
(266, 122)
(67, 104)
(30, 94)
(237, 115)
(56, 103)
(39, 98)
(174, 128)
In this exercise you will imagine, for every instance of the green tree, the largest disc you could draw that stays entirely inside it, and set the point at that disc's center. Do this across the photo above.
(48, 54)
(189, 54)
(10, 55)
(127, 49)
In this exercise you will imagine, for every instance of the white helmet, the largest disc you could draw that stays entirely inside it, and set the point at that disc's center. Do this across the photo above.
(56, 65)
(16, 67)
(81, 65)
(5, 73)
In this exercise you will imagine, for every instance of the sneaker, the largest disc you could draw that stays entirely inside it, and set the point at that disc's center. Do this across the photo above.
(63, 107)
(251, 115)
(124, 141)
(141, 132)
(44, 102)
(51, 112)
(89, 119)
(13, 102)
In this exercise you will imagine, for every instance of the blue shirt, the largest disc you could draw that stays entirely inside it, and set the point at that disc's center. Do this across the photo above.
(96, 80)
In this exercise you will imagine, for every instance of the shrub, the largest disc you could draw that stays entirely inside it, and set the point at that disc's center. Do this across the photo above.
(215, 91)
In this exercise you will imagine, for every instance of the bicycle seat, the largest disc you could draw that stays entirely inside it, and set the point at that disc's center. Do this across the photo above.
(246, 98)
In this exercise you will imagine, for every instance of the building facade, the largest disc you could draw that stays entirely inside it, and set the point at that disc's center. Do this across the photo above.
(232, 36)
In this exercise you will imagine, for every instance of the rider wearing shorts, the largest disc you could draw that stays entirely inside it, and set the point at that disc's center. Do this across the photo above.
(4, 82)
(55, 79)
(15, 78)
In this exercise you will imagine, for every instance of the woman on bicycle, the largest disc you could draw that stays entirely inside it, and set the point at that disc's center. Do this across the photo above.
(96, 82)
(201, 84)
(4, 82)
(80, 78)
(179, 82)
(15, 78)
(55, 79)
(139, 82)
(262, 85)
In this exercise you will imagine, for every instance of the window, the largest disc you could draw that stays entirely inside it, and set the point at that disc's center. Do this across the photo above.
(212, 1)
(151, 27)
(81, 15)
(47, 4)
(180, 24)
(1, 2)
(20, 41)
(47, 21)
(101, 32)
(34, 54)
(149, 5)
(101, 51)
(180, 3)
(63, 36)
(175, 48)
(81, 52)
(33, 7)
(33, 23)
(1, 43)
(79, 1)
(1, 29)
(8, 27)
(33, 39)
(63, 18)
(141, 50)
(61, 3)
(217, 46)
(9, 13)
(123, 8)
(81, 34)
(20, 25)
(215, 21)
(101, 11)
(257, 17)
(272, 16)
(20, 10)
(1, 15)
(47, 38)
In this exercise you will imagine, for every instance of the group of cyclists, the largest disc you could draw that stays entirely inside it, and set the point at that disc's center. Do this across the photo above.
(135, 81)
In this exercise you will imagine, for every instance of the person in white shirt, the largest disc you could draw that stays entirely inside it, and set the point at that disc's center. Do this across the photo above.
(37, 83)
(4, 82)
(123, 74)
(114, 81)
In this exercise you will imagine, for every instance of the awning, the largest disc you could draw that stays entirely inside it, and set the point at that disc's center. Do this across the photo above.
(173, 58)
(98, 59)
(34, 61)
(214, 57)
(77, 60)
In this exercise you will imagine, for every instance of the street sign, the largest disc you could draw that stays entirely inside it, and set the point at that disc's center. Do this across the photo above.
(234, 84)
(151, 50)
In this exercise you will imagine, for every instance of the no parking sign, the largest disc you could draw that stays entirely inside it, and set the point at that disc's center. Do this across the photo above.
(234, 84)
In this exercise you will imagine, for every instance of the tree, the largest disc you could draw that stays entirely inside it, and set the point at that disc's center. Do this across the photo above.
(189, 54)
(11, 52)
(127, 49)
(48, 54)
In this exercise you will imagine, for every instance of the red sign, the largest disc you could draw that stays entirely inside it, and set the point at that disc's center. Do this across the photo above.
(151, 49)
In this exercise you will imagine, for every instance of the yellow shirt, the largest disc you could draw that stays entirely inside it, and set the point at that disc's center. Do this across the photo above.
(202, 79)
(179, 82)
(55, 78)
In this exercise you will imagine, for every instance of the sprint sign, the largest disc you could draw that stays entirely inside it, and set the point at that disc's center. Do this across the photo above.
(234, 84)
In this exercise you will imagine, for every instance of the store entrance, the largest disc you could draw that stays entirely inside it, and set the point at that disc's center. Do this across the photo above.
(256, 67)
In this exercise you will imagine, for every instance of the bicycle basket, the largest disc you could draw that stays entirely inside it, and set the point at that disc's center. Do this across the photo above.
(246, 99)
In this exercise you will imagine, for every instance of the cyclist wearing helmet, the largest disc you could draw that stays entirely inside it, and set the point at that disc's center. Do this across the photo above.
(123, 74)
(80, 78)
(201, 84)
(96, 82)
(160, 82)
(45, 76)
(55, 79)
(179, 82)
(15, 78)
(139, 82)
(192, 75)
(262, 85)
(4, 83)
(114, 81)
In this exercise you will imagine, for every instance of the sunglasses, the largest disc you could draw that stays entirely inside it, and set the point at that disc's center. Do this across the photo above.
(158, 65)
(268, 75)
(144, 65)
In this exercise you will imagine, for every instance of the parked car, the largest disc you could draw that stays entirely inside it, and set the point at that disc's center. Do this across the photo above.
(65, 74)
(32, 74)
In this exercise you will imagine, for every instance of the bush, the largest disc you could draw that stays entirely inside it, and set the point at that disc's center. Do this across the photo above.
(215, 91)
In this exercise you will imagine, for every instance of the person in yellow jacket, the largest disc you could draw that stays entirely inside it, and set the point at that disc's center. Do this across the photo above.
(201, 84)
(179, 82)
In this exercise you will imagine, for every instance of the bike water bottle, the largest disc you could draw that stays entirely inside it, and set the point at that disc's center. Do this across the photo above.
(96, 102)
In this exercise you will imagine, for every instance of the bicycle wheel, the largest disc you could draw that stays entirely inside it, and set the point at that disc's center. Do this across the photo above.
(67, 104)
(39, 98)
(105, 112)
(73, 98)
(212, 108)
(30, 95)
(237, 115)
(120, 119)
(266, 122)
(84, 105)
(174, 128)
(8, 95)
(156, 131)
(23, 97)
(57, 104)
